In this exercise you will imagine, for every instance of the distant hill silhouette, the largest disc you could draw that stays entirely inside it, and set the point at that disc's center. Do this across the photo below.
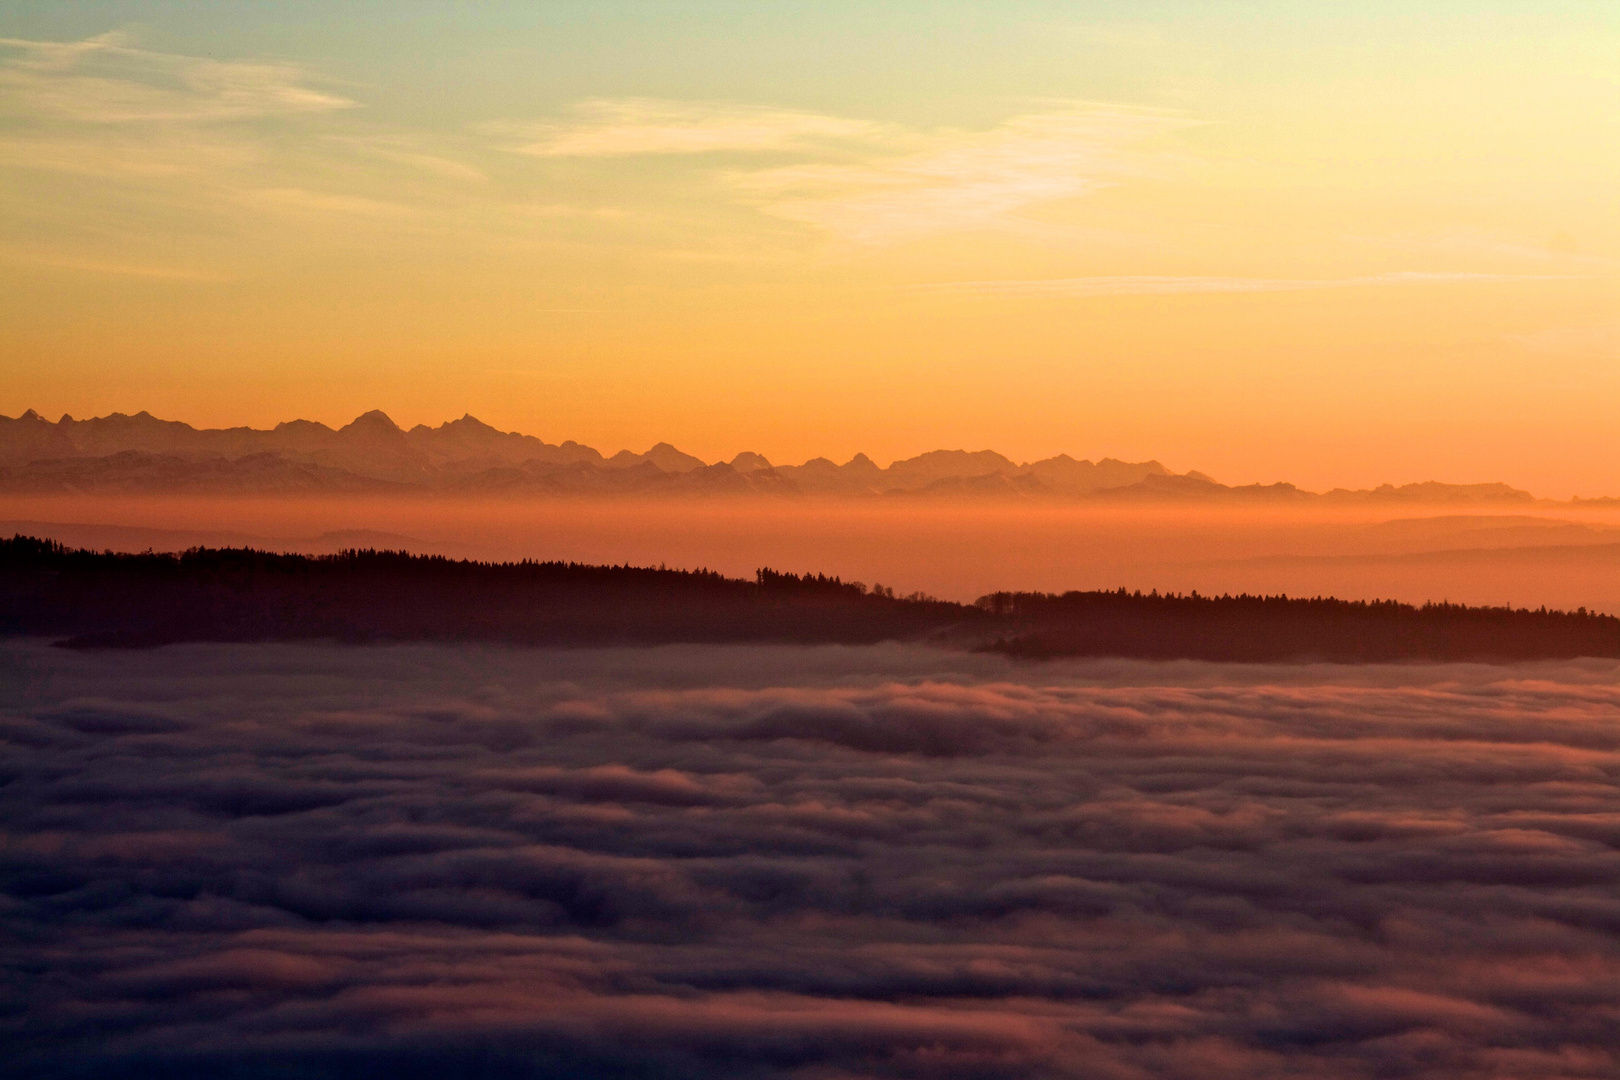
(239, 594)
(137, 454)
(104, 600)
(1261, 629)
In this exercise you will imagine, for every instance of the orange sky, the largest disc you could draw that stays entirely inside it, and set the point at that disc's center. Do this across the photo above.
(1265, 241)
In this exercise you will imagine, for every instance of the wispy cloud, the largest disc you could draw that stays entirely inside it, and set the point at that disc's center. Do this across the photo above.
(863, 181)
(163, 129)
(106, 80)
(965, 180)
(621, 127)
(1145, 285)
(162, 137)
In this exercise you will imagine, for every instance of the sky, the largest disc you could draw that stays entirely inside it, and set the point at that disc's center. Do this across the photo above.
(1335, 244)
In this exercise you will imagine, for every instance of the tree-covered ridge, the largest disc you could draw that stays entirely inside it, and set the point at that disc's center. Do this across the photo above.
(89, 599)
(241, 594)
(1263, 628)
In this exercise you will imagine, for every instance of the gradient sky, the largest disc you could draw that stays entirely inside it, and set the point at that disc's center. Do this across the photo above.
(1332, 243)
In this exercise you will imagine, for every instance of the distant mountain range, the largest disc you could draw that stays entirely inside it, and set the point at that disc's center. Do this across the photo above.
(141, 454)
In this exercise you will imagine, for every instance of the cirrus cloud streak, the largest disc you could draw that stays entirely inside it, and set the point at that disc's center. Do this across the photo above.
(107, 80)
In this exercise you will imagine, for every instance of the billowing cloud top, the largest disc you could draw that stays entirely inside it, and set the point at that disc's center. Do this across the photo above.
(811, 863)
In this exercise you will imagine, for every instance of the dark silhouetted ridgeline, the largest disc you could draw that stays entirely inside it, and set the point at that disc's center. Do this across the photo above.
(102, 599)
(1268, 628)
(239, 594)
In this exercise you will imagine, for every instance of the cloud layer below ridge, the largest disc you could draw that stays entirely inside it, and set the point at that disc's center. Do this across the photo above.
(808, 863)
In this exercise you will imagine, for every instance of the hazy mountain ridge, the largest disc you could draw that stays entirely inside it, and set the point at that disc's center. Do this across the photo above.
(140, 453)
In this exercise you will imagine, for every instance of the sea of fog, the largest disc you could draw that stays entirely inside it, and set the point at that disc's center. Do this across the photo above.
(308, 860)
